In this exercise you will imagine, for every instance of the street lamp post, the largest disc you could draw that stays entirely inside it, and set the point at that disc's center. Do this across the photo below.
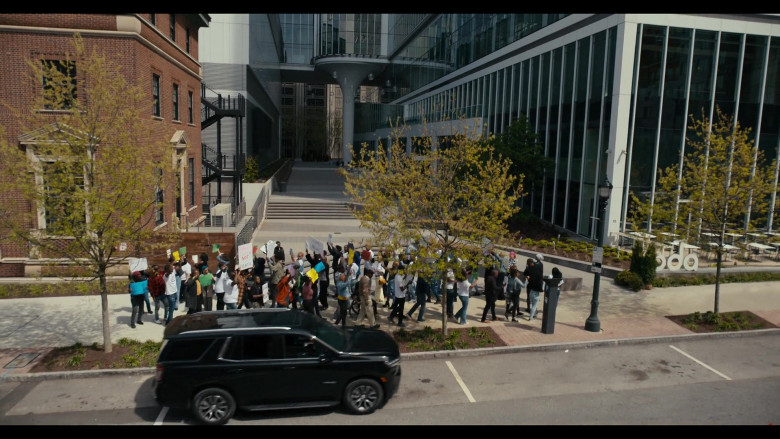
(592, 324)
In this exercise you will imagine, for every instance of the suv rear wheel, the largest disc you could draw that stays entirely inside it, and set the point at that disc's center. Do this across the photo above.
(363, 396)
(213, 406)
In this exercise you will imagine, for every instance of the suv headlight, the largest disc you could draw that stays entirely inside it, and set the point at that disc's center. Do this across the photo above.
(393, 362)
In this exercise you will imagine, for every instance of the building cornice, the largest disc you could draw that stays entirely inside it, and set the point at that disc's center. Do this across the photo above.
(107, 33)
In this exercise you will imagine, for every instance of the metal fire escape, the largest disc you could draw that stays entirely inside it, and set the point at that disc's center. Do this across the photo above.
(216, 165)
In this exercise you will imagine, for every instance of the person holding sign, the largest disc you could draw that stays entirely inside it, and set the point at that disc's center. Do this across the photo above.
(320, 266)
(138, 288)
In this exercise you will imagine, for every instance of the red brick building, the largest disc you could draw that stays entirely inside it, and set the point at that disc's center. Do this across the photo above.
(159, 52)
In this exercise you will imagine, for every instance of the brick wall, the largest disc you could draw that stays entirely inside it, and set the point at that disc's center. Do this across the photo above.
(50, 36)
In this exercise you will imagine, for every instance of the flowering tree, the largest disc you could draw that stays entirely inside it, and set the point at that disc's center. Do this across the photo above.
(445, 204)
(83, 175)
(723, 176)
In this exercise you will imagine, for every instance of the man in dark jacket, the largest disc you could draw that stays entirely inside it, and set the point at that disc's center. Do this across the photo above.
(278, 252)
(336, 254)
(491, 290)
(535, 275)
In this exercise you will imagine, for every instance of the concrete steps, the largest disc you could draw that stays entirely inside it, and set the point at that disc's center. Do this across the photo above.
(305, 210)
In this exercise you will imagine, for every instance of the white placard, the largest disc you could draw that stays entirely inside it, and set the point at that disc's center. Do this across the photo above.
(268, 247)
(122, 246)
(245, 256)
(137, 264)
(265, 293)
(315, 245)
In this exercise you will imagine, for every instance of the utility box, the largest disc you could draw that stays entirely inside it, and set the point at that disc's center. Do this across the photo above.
(221, 214)
(551, 292)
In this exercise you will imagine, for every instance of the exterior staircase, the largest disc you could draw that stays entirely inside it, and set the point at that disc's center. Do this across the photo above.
(307, 210)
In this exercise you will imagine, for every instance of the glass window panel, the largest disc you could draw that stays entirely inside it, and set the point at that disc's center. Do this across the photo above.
(728, 67)
(752, 82)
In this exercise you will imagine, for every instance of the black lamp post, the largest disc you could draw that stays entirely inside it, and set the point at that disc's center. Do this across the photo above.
(593, 324)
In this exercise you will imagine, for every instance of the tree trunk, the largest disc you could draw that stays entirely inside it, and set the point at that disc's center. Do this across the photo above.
(444, 305)
(107, 345)
(717, 279)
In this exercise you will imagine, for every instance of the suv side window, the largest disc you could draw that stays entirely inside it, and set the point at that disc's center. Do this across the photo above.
(300, 346)
(256, 347)
(187, 350)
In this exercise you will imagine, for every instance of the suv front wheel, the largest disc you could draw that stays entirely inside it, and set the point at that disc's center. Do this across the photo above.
(213, 406)
(363, 396)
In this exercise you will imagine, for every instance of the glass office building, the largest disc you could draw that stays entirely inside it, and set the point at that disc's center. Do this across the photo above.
(610, 94)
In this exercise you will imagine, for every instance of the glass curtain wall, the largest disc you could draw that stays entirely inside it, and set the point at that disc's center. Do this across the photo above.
(350, 34)
(684, 73)
(566, 95)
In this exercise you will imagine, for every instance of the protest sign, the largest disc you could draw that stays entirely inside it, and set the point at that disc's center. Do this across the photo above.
(137, 264)
(268, 247)
(315, 246)
(245, 256)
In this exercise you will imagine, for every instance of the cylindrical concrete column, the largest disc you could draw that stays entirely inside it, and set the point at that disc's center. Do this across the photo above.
(349, 84)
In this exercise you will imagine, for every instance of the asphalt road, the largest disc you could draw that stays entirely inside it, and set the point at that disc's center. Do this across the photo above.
(723, 381)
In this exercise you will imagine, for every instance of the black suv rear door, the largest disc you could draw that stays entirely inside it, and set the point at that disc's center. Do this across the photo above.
(277, 368)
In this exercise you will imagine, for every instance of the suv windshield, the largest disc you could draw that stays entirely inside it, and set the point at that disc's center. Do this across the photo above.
(329, 333)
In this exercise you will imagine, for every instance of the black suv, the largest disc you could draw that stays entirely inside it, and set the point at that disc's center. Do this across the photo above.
(264, 359)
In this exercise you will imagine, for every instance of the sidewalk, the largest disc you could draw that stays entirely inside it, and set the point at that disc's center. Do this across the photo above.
(31, 327)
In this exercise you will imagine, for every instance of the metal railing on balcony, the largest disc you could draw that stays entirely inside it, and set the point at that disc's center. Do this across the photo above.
(216, 106)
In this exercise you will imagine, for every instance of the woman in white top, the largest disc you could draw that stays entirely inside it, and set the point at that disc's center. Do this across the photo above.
(231, 291)
(463, 286)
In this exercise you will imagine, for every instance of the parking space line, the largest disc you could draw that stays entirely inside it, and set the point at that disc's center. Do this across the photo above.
(460, 382)
(161, 416)
(708, 367)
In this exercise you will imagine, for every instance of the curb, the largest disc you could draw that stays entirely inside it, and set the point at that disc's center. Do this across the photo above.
(411, 356)
(586, 344)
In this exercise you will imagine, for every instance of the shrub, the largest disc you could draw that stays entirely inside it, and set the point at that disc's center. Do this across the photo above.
(629, 279)
(680, 280)
(643, 263)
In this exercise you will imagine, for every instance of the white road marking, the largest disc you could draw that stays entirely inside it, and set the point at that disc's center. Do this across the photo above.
(460, 382)
(161, 416)
(708, 367)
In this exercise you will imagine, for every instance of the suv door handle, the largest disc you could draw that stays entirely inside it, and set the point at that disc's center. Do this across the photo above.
(289, 368)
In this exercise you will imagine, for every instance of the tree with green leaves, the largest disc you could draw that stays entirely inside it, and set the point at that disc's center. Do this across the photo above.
(723, 175)
(84, 173)
(524, 147)
(445, 206)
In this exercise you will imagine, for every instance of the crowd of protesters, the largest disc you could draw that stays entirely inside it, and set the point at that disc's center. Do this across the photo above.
(389, 280)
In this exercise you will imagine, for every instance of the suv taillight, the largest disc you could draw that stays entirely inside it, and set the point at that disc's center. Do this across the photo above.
(159, 373)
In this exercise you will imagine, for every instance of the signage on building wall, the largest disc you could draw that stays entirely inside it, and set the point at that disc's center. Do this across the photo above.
(675, 261)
